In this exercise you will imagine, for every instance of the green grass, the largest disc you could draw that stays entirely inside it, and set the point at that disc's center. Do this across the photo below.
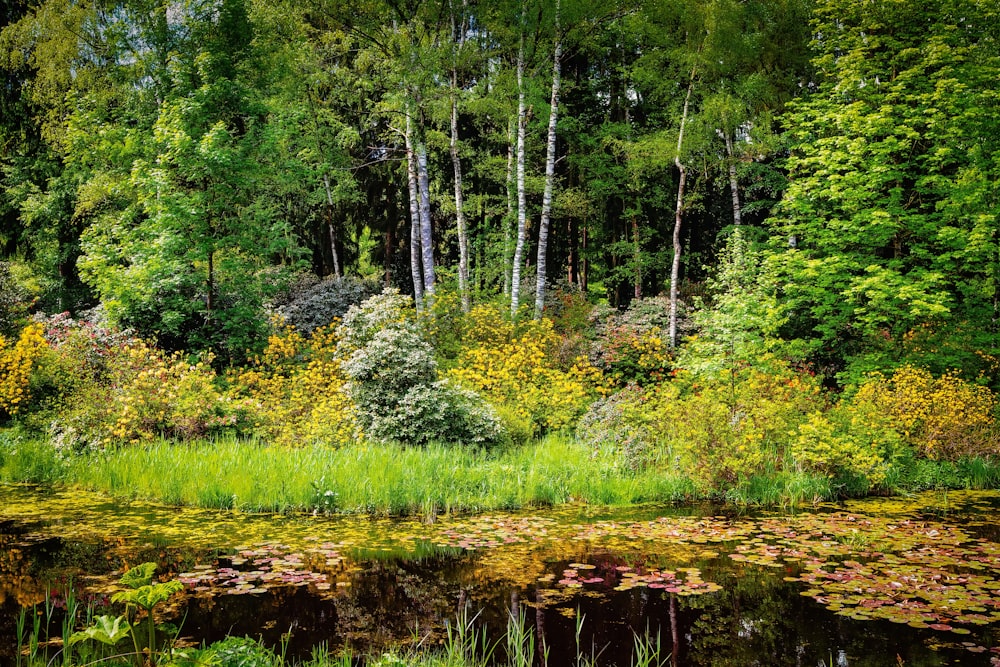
(368, 478)
(387, 479)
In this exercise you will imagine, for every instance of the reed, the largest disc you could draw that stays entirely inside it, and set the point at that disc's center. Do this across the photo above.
(368, 478)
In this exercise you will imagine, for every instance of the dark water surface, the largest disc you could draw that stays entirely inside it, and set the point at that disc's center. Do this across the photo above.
(874, 582)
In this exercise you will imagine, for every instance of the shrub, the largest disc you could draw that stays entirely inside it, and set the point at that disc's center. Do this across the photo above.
(517, 366)
(631, 347)
(627, 425)
(151, 393)
(393, 380)
(299, 384)
(437, 412)
(941, 417)
(311, 305)
(740, 423)
(832, 444)
(16, 364)
(104, 386)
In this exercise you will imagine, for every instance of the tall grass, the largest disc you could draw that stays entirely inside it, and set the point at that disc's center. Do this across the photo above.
(29, 459)
(387, 479)
(369, 478)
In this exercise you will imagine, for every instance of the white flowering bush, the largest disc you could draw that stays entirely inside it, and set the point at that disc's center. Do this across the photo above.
(392, 379)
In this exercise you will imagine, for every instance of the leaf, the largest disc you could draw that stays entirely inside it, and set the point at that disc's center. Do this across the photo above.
(140, 575)
(105, 629)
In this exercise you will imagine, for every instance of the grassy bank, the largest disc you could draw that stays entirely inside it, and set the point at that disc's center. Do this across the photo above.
(373, 478)
(388, 479)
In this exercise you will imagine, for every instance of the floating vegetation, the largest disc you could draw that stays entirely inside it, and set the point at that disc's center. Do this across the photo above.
(896, 561)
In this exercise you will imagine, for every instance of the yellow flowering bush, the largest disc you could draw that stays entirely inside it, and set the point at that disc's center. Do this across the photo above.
(16, 364)
(517, 367)
(631, 355)
(942, 417)
(300, 387)
(739, 423)
(165, 394)
(829, 443)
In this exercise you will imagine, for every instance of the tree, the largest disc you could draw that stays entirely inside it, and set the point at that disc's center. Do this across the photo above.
(890, 220)
(550, 170)
(179, 245)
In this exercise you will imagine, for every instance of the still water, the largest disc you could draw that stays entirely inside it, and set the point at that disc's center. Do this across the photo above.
(873, 582)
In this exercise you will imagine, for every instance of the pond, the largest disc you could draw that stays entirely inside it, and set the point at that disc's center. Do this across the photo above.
(874, 582)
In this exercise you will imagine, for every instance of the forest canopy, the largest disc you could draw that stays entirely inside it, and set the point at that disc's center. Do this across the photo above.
(191, 166)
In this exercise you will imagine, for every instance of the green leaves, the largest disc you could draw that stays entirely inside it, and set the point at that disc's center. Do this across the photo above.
(139, 576)
(886, 233)
(106, 630)
(147, 597)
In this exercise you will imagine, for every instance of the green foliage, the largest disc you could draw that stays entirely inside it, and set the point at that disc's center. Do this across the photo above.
(393, 381)
(238, 652)
(888, 223)
(307, 307)
(737, 325)
(14, 301)
(140, 594)
(105, 629)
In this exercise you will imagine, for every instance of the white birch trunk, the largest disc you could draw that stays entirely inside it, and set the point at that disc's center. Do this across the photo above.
(458, 35)
(426, 234)
(734, 185)
(515, 278)
(675, 265)
(411, 173)
(463, 237)
(550, 176)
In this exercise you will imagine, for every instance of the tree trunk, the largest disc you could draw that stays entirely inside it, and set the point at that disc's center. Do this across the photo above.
(637, 279)
(210, 287)
(522, 121)
(675, 265)
(329, 227)
(426, 233)
(550, 176)
(411, 173)
(734, 185)
(463, 237)
(458, 36)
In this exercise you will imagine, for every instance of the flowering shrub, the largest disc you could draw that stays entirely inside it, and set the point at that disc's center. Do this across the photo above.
(729, 427)
(941, 417)
(517, 366)
(631, 347)
(149, 393)
(831, 443)
(310, 306)
(630, 356)
(16, 364)
(392, 377)
(299, 385)
(627, 425)
(103, 386)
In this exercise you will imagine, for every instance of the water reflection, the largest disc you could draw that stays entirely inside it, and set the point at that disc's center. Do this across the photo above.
(712, 590)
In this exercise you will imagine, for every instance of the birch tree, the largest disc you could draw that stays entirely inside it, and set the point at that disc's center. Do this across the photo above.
(550, 172)
(522, 224)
